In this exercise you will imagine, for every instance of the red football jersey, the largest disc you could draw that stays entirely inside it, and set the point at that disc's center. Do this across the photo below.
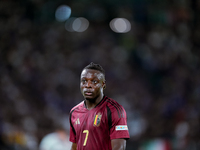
(94, 129)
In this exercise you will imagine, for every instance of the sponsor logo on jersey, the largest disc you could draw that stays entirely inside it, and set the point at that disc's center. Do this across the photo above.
(77, 121)
(121, 127)
(97, 120)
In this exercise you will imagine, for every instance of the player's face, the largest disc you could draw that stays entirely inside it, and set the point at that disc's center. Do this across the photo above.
(92, 84)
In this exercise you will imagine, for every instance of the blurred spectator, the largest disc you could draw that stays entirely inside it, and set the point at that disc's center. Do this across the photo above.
(58, 140)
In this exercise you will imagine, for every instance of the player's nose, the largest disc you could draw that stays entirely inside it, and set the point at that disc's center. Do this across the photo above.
(88, 84)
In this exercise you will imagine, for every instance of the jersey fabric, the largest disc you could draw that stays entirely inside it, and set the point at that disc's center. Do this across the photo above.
(94, 129)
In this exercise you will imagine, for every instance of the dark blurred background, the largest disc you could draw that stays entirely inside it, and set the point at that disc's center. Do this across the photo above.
(152, 70)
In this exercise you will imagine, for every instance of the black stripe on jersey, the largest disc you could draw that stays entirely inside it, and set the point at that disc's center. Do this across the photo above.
(109, 117)
(118, 107)
(71, 121)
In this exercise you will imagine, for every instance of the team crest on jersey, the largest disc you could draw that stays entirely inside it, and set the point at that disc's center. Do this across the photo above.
(97, 119)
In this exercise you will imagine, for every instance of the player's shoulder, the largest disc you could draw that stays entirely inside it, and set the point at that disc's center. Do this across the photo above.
(111, 101)
(115, 108)
(78, 106)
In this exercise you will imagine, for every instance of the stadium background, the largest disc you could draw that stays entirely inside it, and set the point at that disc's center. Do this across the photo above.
(152, 70)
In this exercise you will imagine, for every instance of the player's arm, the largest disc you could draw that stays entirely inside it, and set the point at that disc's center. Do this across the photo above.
(72, 136)
(118, 144)
(74, 146)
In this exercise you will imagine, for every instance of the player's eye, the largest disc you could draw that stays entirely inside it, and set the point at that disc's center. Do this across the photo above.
(83, 81)
(95, 81)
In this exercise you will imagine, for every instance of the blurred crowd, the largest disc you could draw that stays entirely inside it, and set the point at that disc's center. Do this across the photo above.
(153, 70)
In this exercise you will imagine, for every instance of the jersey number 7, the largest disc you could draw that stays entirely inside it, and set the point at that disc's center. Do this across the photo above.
(86, 137)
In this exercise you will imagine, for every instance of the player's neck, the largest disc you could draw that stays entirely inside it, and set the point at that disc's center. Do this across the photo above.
(90, 104)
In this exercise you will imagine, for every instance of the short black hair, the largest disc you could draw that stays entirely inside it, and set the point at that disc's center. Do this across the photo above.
(95, 67)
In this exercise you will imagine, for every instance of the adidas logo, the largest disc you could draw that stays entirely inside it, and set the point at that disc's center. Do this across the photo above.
(77, 121)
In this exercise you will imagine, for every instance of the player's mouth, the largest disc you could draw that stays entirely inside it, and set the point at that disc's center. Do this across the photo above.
(88, 93)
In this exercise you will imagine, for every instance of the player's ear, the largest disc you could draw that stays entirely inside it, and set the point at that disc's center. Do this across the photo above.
(104, 84)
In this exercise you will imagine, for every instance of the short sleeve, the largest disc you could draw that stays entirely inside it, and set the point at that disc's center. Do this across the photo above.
(119, 128)
(72, 136)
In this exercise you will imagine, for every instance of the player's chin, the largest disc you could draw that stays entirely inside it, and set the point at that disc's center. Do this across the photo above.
(89, 98)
